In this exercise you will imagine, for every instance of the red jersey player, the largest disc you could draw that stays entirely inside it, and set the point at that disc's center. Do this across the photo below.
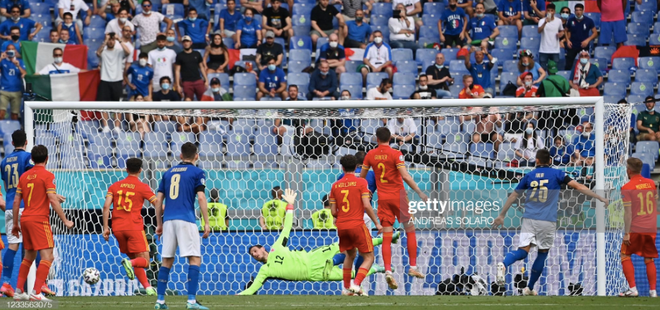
(36, 188)
(127, 196)
(353, 196)
(390, 170)
(640, 218)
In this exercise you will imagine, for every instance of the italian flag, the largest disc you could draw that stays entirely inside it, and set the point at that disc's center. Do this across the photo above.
(590, 6)
(66, 87)
(37, 55)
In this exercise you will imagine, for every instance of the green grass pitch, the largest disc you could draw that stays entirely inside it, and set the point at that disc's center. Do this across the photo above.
(289, 302)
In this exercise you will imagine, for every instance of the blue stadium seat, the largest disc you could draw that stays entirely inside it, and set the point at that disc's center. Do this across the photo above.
(301, 54)
(245, 79)
(128, 145)
(510, 66)
(427, 42)
(44, 35)
(647, 5)
(173, 10)
(642, 17)
(299, 78)
(238, 144)
(355, 90)
(614, 89)
(210, 144)
(457, 65)
(353, 78)
(611, 99)
(167, 127)
(265, 145)
(502, 54)
(382, 8)
(450, 54)
(99, 156)
(430, 19)
(639, 28)
(7, 127)
(595, 17)
(97, 22)
(385, 30)
(379, 20)
(400, 78)
(623, 63)
(302, 42)
(636, 99)
(301, 30)
(530, 43)
(374, 78)
(529, 31)
(566, 74)
(407, 66)
(506, 43)
(155, 145)
(93, 33)
(44, 19)
(509, 31)
(244, 93)
(654, 38)
(302, 9)
(649, 63)
(352, 65)
(646, 76)
(482, 149)
(320, 42)
(299, 65)
(636, 40)
(604, 52)
(92, 59)
(641, 88)
(401, 54)
(403, 91)
(455, 90)
(619, 76)
(601, 63)
(39, 8)
(179, 139)
(435, 8)
(650, 147)
(426, 57)
(507, 77)
(429, 31)
(223, 77)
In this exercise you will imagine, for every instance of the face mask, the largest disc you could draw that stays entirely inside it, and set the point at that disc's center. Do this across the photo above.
(145, 12)
(15, 37)
(333, 44)
(480, 15)
(529, 131)
(378, 40)
(68, 25)
(439, 66)
(192, 19)
(58, 60)
(423, 87)
(142, 62)
(359, 19)
(170, 39)
(345, 98)
(452, 6)
(525, 64)
(586, 134)
(271, 67)
(584, 61)
(647, 109)
(564, 15)
(528, 83)
(16, 18)
(579, 17)
(248, 19)
(165, 86)
(11, 53)
(324, 73)
(215, 89)
(123, 19)
(162, 48)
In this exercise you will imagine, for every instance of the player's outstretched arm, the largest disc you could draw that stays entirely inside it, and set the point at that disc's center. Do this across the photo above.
(290, 197)
(203, 207)
(411, 182)
(257, 283)
(55, 203)
(370, 212)
(159, 213)
(15, 209)
(499, 221)
(586, 191)
(106, 215)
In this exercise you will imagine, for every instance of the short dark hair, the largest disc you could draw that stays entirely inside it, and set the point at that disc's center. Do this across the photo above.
(359, 156)
(188, 150)
(18, 138)
(133, 165)
(377, 31)
(214, 195)
(192, 9)
(15, 6)
(258, 246)
(54, 30)
(579, 5)
(294, 86)
(165, 78)
(14, 28)
(383, 134)
(161, 37)
(67, 14)
(543, 156)
(57, 49)
(143, 55)
(144, 1)
(39, 154)
(348, 162)
(550, 6)
(385, 81)
(231, 1)
(274, 191)
(122, 9)
(622, 101)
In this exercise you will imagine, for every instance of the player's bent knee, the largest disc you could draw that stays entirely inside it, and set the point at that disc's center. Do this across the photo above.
(624, 257)
(648, 260)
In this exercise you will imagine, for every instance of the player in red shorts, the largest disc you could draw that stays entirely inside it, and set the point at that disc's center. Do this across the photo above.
(128, 196)
(390, 170)
(353, 197)
(36, 188)
(640, 218)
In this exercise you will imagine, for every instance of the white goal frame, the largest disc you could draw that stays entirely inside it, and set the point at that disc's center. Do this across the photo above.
(597, 102)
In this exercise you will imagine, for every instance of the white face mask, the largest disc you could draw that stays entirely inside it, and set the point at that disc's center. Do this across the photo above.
(529, 131)
(123, 19)
(334, 44)
(528, 84)
(423, 87)
(345, 98)
(586, 134)
(378, 40)
(142, 62)
(58, 60)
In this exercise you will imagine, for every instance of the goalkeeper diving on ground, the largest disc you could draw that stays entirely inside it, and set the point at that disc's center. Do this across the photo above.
(319, 264)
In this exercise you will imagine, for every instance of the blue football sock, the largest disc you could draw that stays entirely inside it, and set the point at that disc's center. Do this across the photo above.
(514, 256)
(37, 260)
(163, 277)
(338, 259)
(193, 281)
(358, 262)
(537, 269)
(8, 265)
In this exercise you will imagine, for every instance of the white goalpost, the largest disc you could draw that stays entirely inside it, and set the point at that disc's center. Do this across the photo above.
(234, 136)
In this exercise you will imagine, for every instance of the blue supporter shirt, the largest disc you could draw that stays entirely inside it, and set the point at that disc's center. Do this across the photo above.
(586, 146)
(11, 79)
(248, 32)
(358, 33)
(452, 21)
(509, 8)
(140, 77)
(231, 20)
(23, 4)
(73, 35)
(481, 73)
(12, 168)
(580, 29)
(180, 185)
(541, 187)
(109, 17)
(196, 30)
(481, 28)
(17, 45)
(273, 79)
(25, 25)
(527, 7)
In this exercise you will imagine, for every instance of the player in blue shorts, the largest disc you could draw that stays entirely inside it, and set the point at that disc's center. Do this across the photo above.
(177, 224)
(541, 187)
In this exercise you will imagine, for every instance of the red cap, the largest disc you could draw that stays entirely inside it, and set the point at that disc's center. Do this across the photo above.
(524, 74)
(462, 52)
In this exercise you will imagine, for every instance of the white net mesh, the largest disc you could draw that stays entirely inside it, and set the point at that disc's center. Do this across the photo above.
(471, 158)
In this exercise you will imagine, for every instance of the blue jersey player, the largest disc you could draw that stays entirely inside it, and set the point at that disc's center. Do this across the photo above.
(541, 187)
(177, 223)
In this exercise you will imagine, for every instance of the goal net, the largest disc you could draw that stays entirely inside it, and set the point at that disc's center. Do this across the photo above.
(467, 159)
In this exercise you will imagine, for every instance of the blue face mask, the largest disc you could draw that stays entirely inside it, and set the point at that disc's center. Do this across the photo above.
(165, 86)
(248, 19)
(439, 66)
(324, 73)
(584, 61)
(215, 89)
(192, 19)
(271, 67)
(564, 15)
(170, 39)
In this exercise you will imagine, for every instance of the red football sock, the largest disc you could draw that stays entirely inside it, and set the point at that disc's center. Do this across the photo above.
(347, 277)
(362, 273)
(387, 250)
(141, 275)
(651, 273)
(42, 274)
(23, 274)
(629, 271)
(411, 237)
(139, 262)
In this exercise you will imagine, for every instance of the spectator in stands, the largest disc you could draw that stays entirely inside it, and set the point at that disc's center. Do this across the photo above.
(334, 53)
(467, 6)
(203, 7)
(216, 92)
(350, 8)
(6, 6)
(551, 31)
(413, 9)
(648, 122)
(190, 71)
(130, 5)
(439, 77)
(268, 50)
(280, 127)
(380, 92)
(586, 77)
(148, 25)
(482, 29)
(54, 36)
(166, 93)
(256, 6)
(509, 12)
(487, 125)
(515, 124)
(170, 41)
(64, 37)
(229, 19)
(526, 63)
(561, 154)
(357, 33)
(25, 26)
(73, 7)
(162, 60)
(612, 22)
(323, 82)
(75, 35)
(577, 36)
(217, 54)
(12, 71)
(272, 81)
(345, 95)
(402, 29)
(480, 70)
(112, 69)
(423, 90)
(585, 146)
(114, 10)
(273, 211)
(377, 57)
(14, 40)
(117, 25)
(527, 147)
(248, 32)
(528, 89)
(127, 39)
(471, 90)
(564, 15)
(58, 66)
(278, 20)
(453, 21)
(323, 219)
(191, 123)
(138, 77)
(490, 6)
(534, 11)
(554, 85)
(404, 130)
(193, 27)
(322, 15)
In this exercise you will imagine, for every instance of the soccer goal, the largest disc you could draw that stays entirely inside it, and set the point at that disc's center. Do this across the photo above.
(467, 155)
